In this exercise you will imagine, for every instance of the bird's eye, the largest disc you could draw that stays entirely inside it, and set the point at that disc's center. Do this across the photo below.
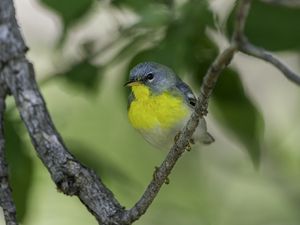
(150, 76)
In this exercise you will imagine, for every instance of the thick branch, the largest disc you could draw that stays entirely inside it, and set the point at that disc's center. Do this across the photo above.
(6, 199)
(70, 176)
(182, 142)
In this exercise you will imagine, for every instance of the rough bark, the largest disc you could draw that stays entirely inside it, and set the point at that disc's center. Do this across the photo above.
(6, 199)
(70, 176)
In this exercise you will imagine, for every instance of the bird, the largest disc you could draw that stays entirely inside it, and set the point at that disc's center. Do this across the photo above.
(160, 104)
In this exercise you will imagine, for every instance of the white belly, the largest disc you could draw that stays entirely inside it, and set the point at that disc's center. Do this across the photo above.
(162, 138)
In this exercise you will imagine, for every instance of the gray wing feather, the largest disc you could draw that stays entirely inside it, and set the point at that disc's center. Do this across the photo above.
(187, 93)
(201, 133)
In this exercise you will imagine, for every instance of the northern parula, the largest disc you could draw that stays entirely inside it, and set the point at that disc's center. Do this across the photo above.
(160, 104)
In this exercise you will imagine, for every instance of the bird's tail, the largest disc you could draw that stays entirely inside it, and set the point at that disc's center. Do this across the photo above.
(206, 138)
(201, 133)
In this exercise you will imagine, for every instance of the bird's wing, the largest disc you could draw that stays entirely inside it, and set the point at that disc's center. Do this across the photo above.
(201, 133)
(187, 93)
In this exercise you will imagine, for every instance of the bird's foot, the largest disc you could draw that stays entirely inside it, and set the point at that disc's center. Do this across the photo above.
(188, 147)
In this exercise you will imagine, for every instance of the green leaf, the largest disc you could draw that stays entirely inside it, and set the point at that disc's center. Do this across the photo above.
(154, 16)
(84, 76)
(235, 111)
(20, 166)
(69, 11)
(271, 26)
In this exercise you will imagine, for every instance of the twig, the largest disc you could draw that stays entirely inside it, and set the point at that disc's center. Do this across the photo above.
(209, 81)
(246, 47)
(240, 20)
(250, 49)
(6, 199)
(287, 3)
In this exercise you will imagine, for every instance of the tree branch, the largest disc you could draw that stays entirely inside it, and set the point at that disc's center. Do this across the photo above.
(287, 3)
(246, 47)
(6, 199)
(240, 21)
(70, 176)
(250, 49)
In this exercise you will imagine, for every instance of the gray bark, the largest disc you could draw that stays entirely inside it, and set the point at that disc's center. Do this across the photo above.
(70, 176)
(6, 200)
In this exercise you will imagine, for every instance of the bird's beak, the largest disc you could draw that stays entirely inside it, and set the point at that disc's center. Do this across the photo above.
(131, 83)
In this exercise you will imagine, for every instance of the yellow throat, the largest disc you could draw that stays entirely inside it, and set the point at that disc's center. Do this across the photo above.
(148, 111)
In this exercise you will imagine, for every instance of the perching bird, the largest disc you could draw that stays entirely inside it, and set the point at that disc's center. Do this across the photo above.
(160, 104)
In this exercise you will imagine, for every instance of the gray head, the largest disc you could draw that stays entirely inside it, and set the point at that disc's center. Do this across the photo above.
(155, 76)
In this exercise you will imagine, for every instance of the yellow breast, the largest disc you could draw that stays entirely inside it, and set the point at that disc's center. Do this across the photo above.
(148, 111)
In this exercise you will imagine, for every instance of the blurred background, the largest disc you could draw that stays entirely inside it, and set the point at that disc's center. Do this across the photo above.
(82, 51)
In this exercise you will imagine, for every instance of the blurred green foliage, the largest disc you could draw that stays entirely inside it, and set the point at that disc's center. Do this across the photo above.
(88, 83)
(69, 11)
(173, 33)
(184, 46)
(237, 113)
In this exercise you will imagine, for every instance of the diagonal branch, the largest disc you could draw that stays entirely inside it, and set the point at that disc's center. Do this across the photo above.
(70, 176)
(182, 142)
(6, 199)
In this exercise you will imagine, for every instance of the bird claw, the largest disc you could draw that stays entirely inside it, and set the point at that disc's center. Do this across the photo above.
(188, 147)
